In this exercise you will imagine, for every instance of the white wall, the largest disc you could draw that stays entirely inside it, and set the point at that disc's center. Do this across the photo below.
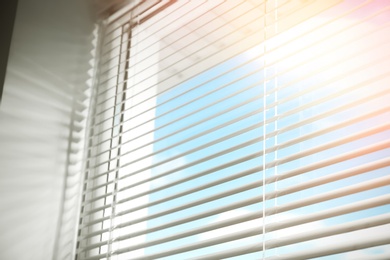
(47, 70)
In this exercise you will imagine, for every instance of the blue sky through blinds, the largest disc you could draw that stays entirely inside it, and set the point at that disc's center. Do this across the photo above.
(245, 86)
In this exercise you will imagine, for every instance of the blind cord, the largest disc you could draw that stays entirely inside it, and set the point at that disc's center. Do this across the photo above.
(264, 129)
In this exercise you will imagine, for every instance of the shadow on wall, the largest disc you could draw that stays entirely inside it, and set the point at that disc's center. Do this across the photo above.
(42, 115)
(7, 18)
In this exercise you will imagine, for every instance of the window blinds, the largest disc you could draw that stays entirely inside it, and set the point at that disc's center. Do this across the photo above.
(241, 130)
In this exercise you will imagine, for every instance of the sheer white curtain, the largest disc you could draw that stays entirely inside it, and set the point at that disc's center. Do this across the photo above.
(240, 129)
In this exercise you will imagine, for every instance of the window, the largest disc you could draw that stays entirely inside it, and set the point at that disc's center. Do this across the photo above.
(242, 130)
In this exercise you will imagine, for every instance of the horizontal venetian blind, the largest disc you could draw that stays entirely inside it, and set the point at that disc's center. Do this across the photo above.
(240, 129)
